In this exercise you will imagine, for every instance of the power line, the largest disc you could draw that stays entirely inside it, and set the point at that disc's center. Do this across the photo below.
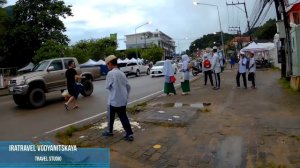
(245, 10)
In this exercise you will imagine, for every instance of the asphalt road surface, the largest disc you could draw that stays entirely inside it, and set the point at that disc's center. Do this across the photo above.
(24, 124)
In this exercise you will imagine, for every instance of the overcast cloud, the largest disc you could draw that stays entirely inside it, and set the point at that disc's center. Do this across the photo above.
(180, 19)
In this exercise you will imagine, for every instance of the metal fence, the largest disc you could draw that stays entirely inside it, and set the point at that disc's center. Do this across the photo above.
(8, 71)
(5, 75)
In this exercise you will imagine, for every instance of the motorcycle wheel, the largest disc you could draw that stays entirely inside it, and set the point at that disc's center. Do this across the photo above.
(194, 72)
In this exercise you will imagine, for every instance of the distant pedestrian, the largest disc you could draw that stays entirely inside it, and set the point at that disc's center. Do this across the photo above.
(118, 87)
(72, 77)
(150, 64)
(216, 68)
(185, 83)
(168, 72)
(252, 70)
(242, 70)
(232, 61)
(207, 67)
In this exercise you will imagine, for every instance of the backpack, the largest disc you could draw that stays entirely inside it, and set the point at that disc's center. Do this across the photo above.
(207, 64)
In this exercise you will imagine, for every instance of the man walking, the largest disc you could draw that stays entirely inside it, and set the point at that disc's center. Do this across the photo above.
(72, 77)
(216, 67)
(118, 87)
(242, 70)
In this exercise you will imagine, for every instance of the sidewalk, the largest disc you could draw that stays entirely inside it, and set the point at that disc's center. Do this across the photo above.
(4, 92)
(226, 128)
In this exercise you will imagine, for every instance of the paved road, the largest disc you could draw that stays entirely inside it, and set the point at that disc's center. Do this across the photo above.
(24, 124)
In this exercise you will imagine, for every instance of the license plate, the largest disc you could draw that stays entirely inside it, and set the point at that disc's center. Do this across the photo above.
(155, 72)
(11, 89)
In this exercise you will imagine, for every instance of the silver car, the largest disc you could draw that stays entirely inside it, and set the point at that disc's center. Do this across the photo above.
(157, 69)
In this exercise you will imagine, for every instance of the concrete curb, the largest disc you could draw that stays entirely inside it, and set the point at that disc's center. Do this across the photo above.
(97, 119)
(4, 92)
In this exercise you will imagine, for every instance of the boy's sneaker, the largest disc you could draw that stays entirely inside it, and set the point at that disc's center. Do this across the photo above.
(129, 138)
(106, 134)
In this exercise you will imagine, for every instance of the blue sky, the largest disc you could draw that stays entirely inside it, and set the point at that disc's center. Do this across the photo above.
(180, 19)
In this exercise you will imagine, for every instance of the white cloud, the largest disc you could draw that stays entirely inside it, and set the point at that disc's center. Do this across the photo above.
(177, 18)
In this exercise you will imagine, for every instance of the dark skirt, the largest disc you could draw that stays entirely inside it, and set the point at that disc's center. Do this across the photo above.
(169, 88)
(185, 86)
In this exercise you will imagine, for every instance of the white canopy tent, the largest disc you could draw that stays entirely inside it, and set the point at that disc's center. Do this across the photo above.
(140, 60)
(121, 61)
(254, 47)
(27, 67)
(90, 62)
(100, 62)
(133, 60)
(126, 60)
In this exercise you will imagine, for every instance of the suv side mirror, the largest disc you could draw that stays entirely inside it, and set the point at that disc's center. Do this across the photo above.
(51, 68)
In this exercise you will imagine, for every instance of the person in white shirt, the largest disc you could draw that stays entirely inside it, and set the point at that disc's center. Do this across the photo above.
(252, 70)
(118, 87)
(216, 67)
(242, 70)
(207, 67)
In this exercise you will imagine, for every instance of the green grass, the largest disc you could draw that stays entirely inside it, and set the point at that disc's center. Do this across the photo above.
(205, 110)
(286, 85)
(137, 108)
(270, 165)
(64, 137)
(295, 137)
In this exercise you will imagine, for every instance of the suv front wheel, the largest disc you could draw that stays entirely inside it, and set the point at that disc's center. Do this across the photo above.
(36, 97)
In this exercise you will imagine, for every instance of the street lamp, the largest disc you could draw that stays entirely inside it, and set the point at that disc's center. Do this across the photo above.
(198, 3)
(149, 22)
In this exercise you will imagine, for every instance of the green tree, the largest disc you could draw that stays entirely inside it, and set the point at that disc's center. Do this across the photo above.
(34, 23)
(50, 49)
(79, 52)
(4, 22)
(101, 48)
(209, 40)
(130, 53)
(93, 49)
(153, 53)
(266, 31)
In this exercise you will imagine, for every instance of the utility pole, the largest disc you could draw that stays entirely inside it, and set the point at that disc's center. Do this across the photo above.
(238, 31)
(284, 51)
(242, 3)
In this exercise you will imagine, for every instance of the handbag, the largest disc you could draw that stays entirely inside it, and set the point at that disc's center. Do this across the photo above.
(250, 76)
(172, 79)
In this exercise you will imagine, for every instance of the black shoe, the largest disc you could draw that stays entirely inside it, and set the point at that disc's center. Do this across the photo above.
(128, 138)
(66, 107)
(107, 134)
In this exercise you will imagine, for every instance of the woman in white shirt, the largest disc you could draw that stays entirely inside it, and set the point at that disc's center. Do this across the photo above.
(242, 70)
(252, 70)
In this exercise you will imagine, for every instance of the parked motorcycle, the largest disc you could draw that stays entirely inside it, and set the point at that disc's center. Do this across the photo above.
(197, 68)
(263, 63)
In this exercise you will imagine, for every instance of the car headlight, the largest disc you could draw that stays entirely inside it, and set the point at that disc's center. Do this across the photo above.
(20, 82)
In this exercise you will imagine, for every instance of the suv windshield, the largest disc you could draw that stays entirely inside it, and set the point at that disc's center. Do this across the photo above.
(159, 64)
(41, 66)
